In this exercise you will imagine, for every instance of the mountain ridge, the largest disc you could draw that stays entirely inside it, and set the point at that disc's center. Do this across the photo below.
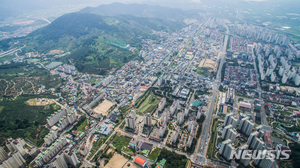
(140, 10)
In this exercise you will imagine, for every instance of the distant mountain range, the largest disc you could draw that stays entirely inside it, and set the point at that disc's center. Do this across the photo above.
(141, 10)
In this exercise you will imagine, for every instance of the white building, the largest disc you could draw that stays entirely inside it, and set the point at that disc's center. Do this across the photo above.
(281, 70)
(226, 149)
(147, 119)
(245, 162)
(186, 110)
(51, 151)
(71, 157)
(257, 144)
(133, 113)
(297, 79)
(180, 118)
(230, 120)
(246, 126)
(198, 114)
(173, 107)
(252, 136)
(175, 134)
(164, 117)
(63, 123)
(16, 145)
(267, 162)
(273, 77)
(3, 154)
(192, 126)
(190, 141)
(270, 70)
(52, 135)
(14, 160)
(162, 129)
(72, 117)
(229, 133)
(162, 104)
(55, 117)
(284, 78)
(293, 73)
(107, 80)
(130, 122)
(64, 158)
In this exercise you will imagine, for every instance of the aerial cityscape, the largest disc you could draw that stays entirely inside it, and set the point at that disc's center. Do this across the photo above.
(150, 84)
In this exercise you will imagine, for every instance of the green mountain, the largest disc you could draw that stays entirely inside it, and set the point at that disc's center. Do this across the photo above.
(87, 36)
(141, 10)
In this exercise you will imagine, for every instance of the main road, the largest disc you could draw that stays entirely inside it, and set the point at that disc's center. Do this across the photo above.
(264, 121)
(200, 158)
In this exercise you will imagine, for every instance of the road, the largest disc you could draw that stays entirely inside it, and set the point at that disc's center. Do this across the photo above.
(200, 158)
(11, 51)
(264, 121)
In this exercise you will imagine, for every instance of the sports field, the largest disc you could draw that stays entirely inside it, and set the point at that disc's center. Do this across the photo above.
(103, 107)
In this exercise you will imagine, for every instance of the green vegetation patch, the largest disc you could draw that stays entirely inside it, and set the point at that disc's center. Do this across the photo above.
(18, 119)
(29, 81)
(212, 141)
(121, 143)
(154, 154)
(205, 71)
(295, 148)
(82, 126)
(94, 81)
(149, 104)
(1, 108)
(173, 159)
(8, 57)
(96, 146)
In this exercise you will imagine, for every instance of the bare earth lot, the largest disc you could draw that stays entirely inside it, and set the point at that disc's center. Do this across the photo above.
(103, 107)
(118, 161)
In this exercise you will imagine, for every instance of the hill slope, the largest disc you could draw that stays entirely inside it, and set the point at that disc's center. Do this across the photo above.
(88, 37)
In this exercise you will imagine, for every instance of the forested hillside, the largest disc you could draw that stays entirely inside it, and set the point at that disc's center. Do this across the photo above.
(87, 36)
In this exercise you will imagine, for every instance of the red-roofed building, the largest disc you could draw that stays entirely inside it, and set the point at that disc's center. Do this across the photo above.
(139, 161)
(268, 137)
(244, 106)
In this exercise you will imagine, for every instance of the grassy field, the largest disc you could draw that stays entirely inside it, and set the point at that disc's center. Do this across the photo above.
(154, 154)
(149, 103)
(203, 71)
(121, 143)
(94, 81)
(8, 57)
(54, 106)
(82, 126)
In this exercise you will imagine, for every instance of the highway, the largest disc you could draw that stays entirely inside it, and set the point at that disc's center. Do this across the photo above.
(200, 158)
(11, 51)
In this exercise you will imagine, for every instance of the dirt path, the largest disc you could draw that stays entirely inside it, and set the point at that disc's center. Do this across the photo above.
(32, 87)
(6, 86)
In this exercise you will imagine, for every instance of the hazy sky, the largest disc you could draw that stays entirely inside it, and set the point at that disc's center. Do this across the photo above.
(10, 8)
